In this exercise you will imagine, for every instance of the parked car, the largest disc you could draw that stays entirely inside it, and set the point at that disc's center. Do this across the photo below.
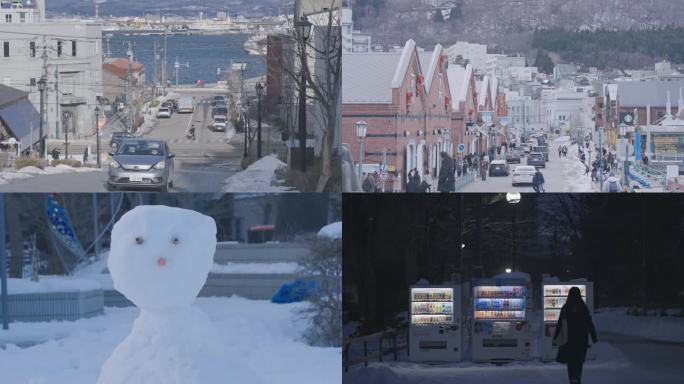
(219, 123)
(523, 174)
(117, 137)
(498, 168)
(513, 156)
(542, 149)
(141, 164)
(164, 112)
(536, 159)
(525, 148)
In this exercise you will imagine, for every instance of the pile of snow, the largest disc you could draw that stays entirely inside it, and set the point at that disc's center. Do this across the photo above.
(616, 320)
(31, 170)
(289, 268)
(9, 176)
(332, 231)
(50, 284)
(260, 176)
(259, 335)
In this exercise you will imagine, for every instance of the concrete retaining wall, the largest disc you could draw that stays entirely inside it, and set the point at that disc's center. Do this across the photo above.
(248, 285)
(260, 253)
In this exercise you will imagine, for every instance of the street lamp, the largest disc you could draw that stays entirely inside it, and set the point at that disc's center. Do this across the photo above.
(259, 92)
(513, 199)
(361, 129)
(41, 87)
(508, 270)
(303, 28)
(97, 134)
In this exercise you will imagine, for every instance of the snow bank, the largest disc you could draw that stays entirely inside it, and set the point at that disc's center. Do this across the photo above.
(31, 170)
(59, 169)
(332, 231)
(258, 177)
(262, 336)
(255, 268)
(50, 284)
(9, 176)
(615, 320)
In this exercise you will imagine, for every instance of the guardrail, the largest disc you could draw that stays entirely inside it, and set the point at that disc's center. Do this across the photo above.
(59, 306)
(461, 182)
(375, 355)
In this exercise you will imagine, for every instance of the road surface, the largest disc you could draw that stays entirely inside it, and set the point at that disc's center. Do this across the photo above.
(201, 165)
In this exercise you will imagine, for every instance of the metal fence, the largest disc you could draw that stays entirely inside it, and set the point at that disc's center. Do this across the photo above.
(7, 159)
(369, 348)
(461, 182)
(59, 306)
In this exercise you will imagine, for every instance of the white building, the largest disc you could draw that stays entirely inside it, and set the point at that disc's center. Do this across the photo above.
(69, 53)
(568, 110)
(353, 41)
(525, 114)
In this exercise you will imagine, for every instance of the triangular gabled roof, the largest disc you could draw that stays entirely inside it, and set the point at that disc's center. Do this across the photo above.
(404, 61)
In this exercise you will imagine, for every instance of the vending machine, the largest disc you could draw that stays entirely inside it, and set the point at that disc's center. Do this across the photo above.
(435, 323)
(501, 318)
(554, 294)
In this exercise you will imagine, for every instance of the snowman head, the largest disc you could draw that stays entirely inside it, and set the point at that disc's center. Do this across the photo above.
(160, 256)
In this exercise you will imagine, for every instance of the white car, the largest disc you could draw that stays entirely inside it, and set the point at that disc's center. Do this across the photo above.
(164, 112)
(523, 174)
(219, 123)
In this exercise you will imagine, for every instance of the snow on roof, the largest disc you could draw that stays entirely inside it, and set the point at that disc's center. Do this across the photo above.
(484, 91)
(431, 65)
(402, 66)
(458, 84)
(642, 93)
(332, 230)
(367, 77)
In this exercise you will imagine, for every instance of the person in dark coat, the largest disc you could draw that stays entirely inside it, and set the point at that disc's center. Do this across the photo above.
(579, 327)
(446, 182)
(411, 186)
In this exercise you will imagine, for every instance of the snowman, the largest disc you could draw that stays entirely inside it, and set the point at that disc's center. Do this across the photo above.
(159, 259)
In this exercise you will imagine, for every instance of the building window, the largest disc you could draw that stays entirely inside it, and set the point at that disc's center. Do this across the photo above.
(59, 48)
(5, 49)
(73, 48)
(8, 18)
(22, 17)
(32, 49)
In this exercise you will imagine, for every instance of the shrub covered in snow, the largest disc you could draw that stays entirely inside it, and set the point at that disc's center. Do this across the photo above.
(325, 311)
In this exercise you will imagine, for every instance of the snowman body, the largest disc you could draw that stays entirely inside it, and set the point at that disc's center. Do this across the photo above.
(159, 259)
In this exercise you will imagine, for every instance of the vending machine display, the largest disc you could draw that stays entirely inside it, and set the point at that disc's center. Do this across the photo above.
(554, 295)
(435, 330)
(501, 328)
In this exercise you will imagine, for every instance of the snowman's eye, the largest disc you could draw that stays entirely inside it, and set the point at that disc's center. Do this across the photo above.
(139, 240)
(175, 240)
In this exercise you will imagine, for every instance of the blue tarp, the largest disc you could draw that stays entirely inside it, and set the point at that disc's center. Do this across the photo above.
(297, 291)
(20, 118)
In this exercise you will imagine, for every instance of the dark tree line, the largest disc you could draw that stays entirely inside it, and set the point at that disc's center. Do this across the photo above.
(613, 49)
(629, 246)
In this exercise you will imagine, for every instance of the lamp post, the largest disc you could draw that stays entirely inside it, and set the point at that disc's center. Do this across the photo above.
(259, 92)
(245, 127)
(41, 87)
(97, 134)
(513, 199)
(65, 126)
(361, 129)
(303, 28)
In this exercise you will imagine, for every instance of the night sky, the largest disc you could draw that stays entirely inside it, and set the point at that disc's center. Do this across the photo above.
(630, 245)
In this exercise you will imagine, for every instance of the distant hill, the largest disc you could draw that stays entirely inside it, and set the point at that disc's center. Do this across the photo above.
(506, 24)
(169, 7)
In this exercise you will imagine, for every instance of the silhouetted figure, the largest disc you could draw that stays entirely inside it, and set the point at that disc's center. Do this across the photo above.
(577, 319)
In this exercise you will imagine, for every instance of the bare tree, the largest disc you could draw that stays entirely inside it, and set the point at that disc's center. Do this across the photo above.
(324, 49)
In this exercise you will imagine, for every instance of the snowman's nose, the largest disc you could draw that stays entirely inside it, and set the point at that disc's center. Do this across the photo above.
(161, 261)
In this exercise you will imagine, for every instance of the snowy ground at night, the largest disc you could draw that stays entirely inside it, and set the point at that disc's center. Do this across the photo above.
(264, 336)
(564, 174)
(631, 350)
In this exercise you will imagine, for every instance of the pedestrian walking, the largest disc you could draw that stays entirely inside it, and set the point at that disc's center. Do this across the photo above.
(378, 181)
(560, 150)
(565, 151)
(538, 181)
(85, 155)
(465, 169)
(446, 182)
(612, 184)
(644, 158)
(573, 329)
(411, 187)
(368, 184)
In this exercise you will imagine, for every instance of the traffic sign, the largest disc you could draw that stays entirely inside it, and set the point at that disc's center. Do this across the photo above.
(383, 168)
(461, 148)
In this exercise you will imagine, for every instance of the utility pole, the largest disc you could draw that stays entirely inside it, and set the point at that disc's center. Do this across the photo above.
(57, 109)
(129, 54)
(42, 86)
(164, 65)
(154, 82)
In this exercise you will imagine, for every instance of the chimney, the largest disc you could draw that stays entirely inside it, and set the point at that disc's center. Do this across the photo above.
(40, 7)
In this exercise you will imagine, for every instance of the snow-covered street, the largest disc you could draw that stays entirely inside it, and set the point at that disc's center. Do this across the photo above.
(262, 335)
(562, 174)
(620, 359)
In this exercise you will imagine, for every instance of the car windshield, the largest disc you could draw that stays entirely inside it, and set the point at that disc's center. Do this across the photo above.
(141, 148)
(219, 119)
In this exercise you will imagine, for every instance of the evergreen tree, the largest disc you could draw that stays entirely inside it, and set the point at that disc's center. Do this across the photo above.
(438, 17)
(543, 62)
